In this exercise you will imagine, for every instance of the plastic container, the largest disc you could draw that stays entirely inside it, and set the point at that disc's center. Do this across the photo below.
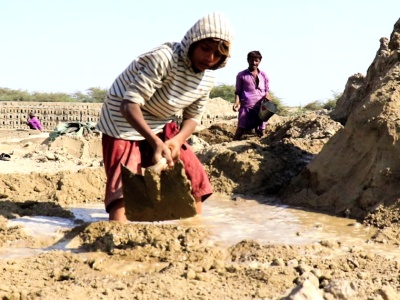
(267, 110)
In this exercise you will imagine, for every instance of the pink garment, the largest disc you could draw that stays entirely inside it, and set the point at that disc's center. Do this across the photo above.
(34, 123)
(250, 91)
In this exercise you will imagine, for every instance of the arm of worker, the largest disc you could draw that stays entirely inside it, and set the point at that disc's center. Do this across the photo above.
(186, 130)
(267, 96)
(236, 105)
(133, 114)
(238, 91)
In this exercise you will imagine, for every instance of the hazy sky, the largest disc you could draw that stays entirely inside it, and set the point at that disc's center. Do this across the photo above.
(309, 47)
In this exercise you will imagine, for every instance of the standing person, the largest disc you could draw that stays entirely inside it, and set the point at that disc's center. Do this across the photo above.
(252, 85)
(137, 117)
(33, 122)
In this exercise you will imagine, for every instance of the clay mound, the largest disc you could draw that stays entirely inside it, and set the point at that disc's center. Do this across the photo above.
(64, 187)
(266, 165)
(359, 168)
(68, 170)
(219, 106)
(39, 154)
(78, 147)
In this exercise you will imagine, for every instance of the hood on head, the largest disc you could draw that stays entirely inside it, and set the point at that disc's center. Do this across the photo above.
(214, 25)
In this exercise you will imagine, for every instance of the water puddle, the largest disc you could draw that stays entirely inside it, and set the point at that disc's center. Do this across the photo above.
(233, 221)
(228, 221)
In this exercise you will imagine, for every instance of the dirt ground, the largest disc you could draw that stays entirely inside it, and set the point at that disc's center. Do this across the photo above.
(131, 261)
(307, 159)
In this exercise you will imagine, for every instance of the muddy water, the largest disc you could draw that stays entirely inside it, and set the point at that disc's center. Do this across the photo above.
(228, 221)
(233, 221)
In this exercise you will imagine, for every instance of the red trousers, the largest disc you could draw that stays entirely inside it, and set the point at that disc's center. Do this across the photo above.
(136, 155)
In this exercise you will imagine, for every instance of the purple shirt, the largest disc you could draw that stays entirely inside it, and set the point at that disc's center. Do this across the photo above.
(34, 123)
(247, 89)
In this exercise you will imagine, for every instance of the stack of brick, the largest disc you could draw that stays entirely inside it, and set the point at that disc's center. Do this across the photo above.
(14, 114)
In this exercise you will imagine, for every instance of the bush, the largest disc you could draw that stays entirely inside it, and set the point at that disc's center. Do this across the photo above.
(330, 104)
(224, 91)
(315, 105)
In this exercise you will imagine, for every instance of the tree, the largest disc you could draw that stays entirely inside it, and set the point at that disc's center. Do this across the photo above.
(97, 94)
(51, 97)
(81, 97)
(7, 94)
(224, 91)
(93, 94)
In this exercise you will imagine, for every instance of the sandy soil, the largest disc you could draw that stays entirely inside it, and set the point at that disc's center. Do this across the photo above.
(131, 261)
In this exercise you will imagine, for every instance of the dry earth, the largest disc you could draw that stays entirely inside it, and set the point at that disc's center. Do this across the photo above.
(307, 159)
(131, 261)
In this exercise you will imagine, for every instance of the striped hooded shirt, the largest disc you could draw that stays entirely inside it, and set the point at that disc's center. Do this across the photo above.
(163, 83)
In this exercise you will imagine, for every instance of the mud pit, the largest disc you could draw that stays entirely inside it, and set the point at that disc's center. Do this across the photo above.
(166, 261)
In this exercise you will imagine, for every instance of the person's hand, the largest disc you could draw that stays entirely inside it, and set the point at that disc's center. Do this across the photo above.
(175, 146)
(163, 151)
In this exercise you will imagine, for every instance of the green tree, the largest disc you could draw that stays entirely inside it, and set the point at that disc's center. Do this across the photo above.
(7, 94)
(331, 103)
(224, 91)
(51, 97)
(97, 94)
(92, 95)
(81, 97)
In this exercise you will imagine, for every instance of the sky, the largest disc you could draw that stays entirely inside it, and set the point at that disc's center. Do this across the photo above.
(310, 47)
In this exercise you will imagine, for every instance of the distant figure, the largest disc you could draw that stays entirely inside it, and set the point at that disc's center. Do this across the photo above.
(251, 87)
(33, 122)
